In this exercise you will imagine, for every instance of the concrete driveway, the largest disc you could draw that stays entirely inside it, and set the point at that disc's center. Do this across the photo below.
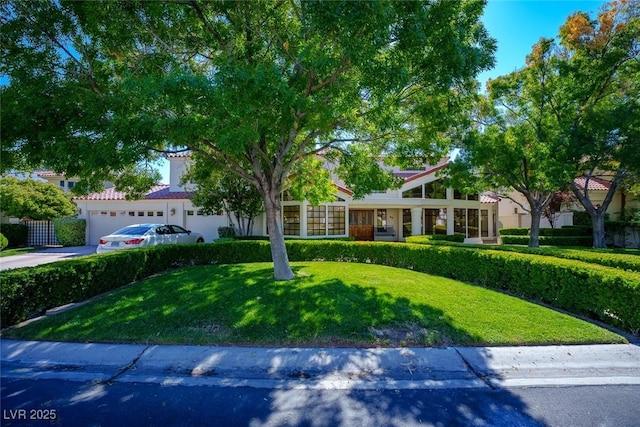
(45, 256)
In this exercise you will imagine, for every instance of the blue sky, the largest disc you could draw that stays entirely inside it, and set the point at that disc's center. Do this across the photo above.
(516, 25)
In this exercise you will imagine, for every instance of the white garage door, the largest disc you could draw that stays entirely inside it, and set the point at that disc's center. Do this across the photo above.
(102, 223)
(207, 225)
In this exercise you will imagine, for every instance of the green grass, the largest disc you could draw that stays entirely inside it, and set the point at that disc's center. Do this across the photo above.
(16, 251)
(626, 259)
(328, 304)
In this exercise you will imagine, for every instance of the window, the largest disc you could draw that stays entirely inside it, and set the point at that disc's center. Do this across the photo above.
(112, 213)
(291, 220)
(406, 222)
(131, 213)
(316, 220)
(150, 213)
(484, 222)
(413, 193)
(460, 196)
(337, 216)
(190, 213)
(71, 184)
(472, 225)
(159, 213)
(435, 221)
(381, 222)
(460, 221)
(435, 190)
(140, 213)
(62, 184)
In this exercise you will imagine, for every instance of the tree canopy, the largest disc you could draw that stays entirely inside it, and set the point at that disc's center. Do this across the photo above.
(572, 111)
(28, 198)
(256, 88)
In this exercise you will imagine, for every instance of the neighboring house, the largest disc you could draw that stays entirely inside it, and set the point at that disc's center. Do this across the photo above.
(421, 206)
(513, 215)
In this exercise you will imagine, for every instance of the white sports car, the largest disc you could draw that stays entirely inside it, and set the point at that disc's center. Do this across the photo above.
(139, 235)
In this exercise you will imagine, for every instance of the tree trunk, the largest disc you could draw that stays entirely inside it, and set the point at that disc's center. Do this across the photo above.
(281, 268)
(597, 221)
(534, 236)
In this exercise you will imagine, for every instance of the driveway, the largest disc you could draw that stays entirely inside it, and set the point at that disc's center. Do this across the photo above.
(45, 256)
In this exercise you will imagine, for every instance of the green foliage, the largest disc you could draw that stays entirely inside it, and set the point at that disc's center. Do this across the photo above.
(28, 198)
(255, 88)
(426, 239)
(218, 190)
(608, 294)
(514, 231)
(581, 218)
(550, 240)
(549, 232)
(226, 232)
(70, 231)
(16, 234)
(4, 242)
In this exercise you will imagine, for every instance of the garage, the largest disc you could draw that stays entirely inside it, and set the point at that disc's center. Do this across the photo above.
(207, 225)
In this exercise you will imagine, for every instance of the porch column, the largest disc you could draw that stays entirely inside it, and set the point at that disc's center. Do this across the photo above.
(450, 221)
(416, 221)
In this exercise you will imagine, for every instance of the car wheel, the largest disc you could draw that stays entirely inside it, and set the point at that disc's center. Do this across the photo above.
(200, 240)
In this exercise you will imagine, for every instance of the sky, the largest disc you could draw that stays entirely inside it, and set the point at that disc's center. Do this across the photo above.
(516, 25)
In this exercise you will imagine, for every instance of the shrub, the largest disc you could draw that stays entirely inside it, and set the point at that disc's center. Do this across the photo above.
(430, 238)
(16, 234)
(608, 294)
(226, 232)
(70, 231)
(550, 240)
(3, 241)
(514, 231)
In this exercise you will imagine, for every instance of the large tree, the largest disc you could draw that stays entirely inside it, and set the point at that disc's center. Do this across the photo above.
(254, 87)
(28, 198)
(601, 72)
(572, 111)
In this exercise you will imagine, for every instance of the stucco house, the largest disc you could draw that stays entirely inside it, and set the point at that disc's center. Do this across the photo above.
(512, 215)
(423, 205)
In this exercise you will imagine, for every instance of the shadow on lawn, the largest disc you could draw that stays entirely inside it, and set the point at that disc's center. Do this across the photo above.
(230, 304)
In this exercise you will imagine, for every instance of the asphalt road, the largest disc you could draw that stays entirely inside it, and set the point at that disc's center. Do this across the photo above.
(70, 403)
(44, 256)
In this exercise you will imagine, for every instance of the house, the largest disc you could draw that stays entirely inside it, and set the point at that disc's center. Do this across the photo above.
(423, 205)
(512, 214)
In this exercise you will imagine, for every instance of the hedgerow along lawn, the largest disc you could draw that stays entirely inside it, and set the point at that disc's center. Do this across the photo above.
(328, 304)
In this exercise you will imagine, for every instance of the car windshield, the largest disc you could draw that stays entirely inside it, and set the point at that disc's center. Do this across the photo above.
(133, 230)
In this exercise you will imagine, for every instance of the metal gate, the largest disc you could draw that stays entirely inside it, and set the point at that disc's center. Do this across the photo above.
(41, 233)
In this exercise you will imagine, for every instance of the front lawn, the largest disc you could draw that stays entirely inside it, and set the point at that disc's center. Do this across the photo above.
(329, 303)
(16, 251)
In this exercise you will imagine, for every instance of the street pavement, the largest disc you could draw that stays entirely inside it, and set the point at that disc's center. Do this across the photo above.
(45, 255)
(325, 368)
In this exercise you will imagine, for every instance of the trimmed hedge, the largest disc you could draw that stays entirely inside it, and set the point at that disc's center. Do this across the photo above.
(551, 241)
(513, 231)
(549, 232)
(431, 238)
(3, 241)
(607, 294)
(16, 234)
(70, 231)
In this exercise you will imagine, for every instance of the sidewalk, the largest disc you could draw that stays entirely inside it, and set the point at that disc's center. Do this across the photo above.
(325, 368)
(45, 255)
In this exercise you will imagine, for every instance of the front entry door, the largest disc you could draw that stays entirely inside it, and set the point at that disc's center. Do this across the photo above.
(361, 224)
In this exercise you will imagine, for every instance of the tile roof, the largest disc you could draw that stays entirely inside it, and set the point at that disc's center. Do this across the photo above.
(595, 184)
(489, 197)
(157, 192)
(48, 174)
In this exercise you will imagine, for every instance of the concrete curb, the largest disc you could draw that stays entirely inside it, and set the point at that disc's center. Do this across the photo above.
(327, 368)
